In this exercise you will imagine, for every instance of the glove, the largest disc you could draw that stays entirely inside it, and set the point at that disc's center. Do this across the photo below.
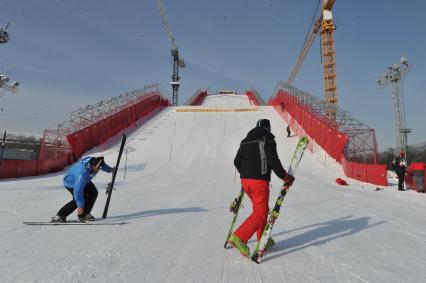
(288, 180)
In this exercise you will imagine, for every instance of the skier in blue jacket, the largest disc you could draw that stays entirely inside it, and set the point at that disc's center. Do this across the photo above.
(77, 181)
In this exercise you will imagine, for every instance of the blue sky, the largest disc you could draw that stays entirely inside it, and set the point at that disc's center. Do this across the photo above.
(67, 54)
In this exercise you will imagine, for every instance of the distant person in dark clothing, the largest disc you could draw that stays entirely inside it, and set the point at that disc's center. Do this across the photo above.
(400, 168)
(288, 131)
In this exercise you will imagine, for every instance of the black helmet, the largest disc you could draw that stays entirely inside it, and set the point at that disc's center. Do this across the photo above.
(264, 123)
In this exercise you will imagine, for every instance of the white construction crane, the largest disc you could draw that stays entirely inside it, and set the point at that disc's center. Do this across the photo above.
(177, 60)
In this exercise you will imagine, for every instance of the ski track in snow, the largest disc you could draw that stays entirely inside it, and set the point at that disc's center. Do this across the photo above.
(179, 180)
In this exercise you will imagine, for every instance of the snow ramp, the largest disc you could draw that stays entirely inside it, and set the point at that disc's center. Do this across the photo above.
(173, 189)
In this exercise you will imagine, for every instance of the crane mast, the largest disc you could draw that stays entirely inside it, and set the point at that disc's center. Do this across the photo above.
(177, 60)
(329, 64)
(324, 25)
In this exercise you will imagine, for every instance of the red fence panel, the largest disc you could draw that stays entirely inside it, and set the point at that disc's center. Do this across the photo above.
(26, 168)
(252, 98)
(99, 132)
(8, 169)
(85, 139)
(43, 166)
(330, 139)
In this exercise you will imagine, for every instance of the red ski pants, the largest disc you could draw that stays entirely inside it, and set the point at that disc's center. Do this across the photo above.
(258, 192)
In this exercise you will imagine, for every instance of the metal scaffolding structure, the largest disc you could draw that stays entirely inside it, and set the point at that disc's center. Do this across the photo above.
(361, 146)
(54, 141)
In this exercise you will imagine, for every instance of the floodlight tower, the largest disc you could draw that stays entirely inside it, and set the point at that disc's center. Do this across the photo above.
(4, 85)
(393, 75)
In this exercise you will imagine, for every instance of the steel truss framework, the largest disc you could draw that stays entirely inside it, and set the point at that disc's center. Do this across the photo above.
(54, 141)
(361, 146)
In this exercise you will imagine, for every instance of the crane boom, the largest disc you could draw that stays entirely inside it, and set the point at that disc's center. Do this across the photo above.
(308, 43)
(166, 25)
(327, 5)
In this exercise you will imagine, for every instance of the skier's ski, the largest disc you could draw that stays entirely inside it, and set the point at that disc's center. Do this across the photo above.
(111, 185)
(235, 208)
(273, 215)
(74, 222)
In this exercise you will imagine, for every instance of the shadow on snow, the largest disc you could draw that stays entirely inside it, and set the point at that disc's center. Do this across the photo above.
(156, 212)
(320, 235)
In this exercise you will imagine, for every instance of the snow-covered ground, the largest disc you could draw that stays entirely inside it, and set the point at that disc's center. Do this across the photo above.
(175, 194)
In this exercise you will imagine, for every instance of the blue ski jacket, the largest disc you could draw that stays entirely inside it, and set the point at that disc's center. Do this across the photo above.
(79, 175)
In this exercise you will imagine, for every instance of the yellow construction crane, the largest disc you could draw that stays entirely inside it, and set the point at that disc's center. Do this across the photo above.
(324, 25)
(177, 61)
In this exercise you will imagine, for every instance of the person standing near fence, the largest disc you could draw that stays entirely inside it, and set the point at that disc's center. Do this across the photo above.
(400, 169)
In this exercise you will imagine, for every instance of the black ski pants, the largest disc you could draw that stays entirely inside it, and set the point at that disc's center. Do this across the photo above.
(401, 178)
(90, 195)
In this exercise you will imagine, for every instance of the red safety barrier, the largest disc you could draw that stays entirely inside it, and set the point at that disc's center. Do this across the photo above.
(197, 99)
(409, 180)
(252, 98)
(84, 139)
(369, 173)
(8, 169)
(303, 121)
(26, 168)
(331, 140)
(99, 132)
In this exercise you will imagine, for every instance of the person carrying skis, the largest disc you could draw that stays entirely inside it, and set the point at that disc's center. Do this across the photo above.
(255, 159)
(400, 169)
(77, 181)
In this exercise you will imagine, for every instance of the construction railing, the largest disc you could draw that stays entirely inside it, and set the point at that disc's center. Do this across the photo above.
(86, 128)
(254, 97)
(197, 98)
(347, 140)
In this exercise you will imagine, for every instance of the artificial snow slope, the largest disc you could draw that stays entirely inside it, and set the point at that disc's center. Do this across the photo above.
(174, 194)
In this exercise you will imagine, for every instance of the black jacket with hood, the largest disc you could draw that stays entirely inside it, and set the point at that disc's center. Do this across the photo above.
(248, 160)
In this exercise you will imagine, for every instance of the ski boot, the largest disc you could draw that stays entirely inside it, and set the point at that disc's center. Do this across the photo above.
(86, 217)
(58, 219)
(239, 245)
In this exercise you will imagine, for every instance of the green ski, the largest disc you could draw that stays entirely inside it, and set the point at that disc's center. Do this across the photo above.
(234, 208)
(273, 215)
